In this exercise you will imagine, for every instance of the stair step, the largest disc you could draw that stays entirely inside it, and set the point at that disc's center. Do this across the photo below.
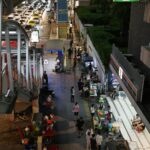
(116, 115)
(127, 123)
(142, 138)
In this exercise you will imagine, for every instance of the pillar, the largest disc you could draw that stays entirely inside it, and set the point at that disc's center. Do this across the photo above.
(34, 64)
(11, 83)
(19, 54)
(27, 64)
(0, 46)
(30, 69)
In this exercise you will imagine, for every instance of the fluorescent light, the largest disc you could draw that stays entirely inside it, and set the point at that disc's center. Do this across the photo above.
(10, 32)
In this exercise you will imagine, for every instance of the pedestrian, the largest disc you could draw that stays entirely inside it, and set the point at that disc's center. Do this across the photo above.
(71, 42)
(79, 125)
(93, 142)
(89, 130)
(76, 109)
(72, 93)
(45, 78)
(69, 53)
(80, 85)
(90, 67)
(99, 140)
(92, 109)
(75, 52)
(110, 126)
(108, 116)
(74, 63)
(88, 140)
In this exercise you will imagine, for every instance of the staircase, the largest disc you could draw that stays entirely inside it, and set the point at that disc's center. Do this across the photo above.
(122, 108)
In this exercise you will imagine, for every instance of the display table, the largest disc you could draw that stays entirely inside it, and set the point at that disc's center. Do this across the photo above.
(93, 89)
(37, 118)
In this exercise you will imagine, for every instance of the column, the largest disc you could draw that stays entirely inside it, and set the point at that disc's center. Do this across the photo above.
(27, 64)
(30, 68)
(41, 70)
(19, 54)
(34, 64)
(11, 83)
(0, 46)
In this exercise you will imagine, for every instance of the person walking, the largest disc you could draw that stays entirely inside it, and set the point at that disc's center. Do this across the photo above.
(72, 93)
(74, 63)
(99, 140)
(89, 129)
(93, 142)
(92, 109)
(45, 78)
(80, 85)
(69, 53)
(76, 109)
(79, 125)
(88, 140)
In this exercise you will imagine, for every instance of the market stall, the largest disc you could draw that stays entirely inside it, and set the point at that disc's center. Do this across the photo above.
(93, 89)
(103, 119)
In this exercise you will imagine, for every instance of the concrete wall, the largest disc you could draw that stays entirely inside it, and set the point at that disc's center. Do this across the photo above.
(139, 31)
(80, 27)
(91, 49)
(97, 61)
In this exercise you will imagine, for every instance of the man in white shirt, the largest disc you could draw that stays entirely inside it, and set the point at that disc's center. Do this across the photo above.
(92, 109)
(99, 140)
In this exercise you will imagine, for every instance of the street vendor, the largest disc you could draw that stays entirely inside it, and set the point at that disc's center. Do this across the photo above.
(49, 102)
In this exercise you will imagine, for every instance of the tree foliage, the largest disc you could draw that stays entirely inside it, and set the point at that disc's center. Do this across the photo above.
(111, 24)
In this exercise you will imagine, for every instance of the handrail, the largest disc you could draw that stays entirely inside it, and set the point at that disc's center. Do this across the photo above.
(8, 91)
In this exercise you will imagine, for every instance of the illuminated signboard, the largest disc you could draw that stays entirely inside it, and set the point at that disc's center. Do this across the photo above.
(13, 44)
(35, 36)
(125, 0)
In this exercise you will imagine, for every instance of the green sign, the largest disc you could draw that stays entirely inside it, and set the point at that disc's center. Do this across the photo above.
(126, 0)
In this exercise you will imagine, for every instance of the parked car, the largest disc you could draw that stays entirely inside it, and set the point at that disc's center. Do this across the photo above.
(37, 20)
(10, 17)
(32, 23)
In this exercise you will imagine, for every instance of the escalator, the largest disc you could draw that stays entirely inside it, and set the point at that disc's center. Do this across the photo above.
(8, 97)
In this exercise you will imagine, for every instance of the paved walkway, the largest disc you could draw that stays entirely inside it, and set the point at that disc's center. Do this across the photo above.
(67, 137)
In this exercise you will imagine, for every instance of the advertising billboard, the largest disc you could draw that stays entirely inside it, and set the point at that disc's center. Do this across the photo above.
(35, 36)
(13, 44)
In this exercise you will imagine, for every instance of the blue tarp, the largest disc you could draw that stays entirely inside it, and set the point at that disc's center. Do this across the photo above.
(62, 4)
(55, 50)
(62, 17)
